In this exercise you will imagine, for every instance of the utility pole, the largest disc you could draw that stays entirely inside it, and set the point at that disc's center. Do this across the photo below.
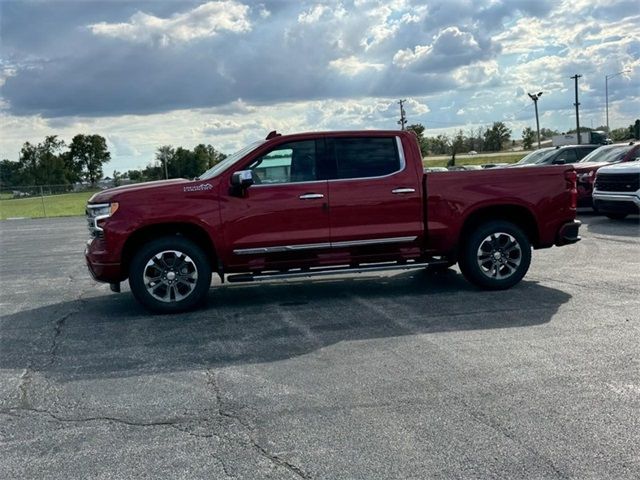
(577, 104)
(535, 97)
(403, 118)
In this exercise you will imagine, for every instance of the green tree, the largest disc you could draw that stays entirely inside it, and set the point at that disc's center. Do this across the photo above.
(90, 153)
(546, 133)
(620, 134)
(440, 144)
(634, 130)
(42, 164)
(9, 173)
(528, 136)
(418, 129)
(497, 136)
(457, 146)
(209, 154)
(135, 175)
(164, 155)
(117, 178)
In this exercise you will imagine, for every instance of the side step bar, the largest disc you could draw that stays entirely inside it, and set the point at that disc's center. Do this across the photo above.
(317, 272)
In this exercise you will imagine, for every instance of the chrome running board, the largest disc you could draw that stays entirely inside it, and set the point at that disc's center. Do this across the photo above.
(320, 271)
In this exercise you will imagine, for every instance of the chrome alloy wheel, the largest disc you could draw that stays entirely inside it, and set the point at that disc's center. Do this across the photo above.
(170, 276)
(499, 255)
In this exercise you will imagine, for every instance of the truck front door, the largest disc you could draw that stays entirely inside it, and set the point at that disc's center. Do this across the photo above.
(284, 216)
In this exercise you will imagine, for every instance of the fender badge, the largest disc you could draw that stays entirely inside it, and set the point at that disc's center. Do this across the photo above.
(198, 188)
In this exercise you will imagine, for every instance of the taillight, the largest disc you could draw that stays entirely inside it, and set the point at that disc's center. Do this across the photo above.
(571, 178)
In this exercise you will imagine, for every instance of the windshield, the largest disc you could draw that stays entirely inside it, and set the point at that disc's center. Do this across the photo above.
(230, 160)
(610, 154)
(534, 157)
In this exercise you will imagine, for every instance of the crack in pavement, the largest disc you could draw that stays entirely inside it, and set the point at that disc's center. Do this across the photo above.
(59, 325)
(487, 421)
(57, 331)
(225, 412)
(101, 418)
(482, 418)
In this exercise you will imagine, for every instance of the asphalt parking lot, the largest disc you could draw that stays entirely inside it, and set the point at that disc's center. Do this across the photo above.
(400, 375)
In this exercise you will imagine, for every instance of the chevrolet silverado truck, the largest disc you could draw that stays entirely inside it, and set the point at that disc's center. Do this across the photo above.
(587, 167)
(325, 203)
(617, 190)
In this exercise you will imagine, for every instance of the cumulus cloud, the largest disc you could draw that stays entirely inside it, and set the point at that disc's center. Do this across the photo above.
(313, 14)
(226, 70)
(353, 66)
(450, 48)
(204, 21)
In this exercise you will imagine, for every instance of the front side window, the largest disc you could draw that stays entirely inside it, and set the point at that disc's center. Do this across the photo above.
(366, 157)
(568, 155)
(291, 162)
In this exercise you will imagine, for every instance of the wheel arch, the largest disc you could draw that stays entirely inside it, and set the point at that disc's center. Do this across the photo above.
(191, 231)
(519, 215)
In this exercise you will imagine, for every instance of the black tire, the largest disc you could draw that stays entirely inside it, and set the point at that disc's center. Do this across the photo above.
(496, 255)
(616, 216)
(182, 270)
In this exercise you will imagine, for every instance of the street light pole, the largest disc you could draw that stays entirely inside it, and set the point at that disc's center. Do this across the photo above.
(606, 93)
(535, 98)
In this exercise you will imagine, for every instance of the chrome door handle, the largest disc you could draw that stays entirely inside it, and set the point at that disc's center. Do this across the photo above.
(311, 196)
(403, 190)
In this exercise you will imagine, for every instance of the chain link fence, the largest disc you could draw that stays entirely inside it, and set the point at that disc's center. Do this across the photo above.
(44, 200)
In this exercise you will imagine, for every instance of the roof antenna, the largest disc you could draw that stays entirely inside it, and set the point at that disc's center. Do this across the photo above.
(273, 134)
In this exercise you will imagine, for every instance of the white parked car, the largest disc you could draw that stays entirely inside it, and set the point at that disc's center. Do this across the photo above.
(617, 190)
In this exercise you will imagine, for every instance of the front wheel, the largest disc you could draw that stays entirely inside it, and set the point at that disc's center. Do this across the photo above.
(496, 255)
(170, 275)
(616, 216)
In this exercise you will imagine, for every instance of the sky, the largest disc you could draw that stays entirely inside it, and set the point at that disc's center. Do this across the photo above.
(149, 73)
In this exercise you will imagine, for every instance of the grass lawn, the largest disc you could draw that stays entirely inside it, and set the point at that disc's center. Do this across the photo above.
(68, 204)
(475, 160)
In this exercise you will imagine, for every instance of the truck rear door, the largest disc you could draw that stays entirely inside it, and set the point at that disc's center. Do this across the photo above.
(375, 198)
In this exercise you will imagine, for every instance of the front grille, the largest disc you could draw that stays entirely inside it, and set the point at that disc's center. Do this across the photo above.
(618, 182)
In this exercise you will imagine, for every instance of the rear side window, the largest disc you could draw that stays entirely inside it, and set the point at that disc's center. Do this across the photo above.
(366, 157)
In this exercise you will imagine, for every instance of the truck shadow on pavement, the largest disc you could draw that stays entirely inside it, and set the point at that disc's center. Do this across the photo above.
(112, 336)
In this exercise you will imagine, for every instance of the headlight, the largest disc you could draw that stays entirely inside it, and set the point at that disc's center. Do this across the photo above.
(97, 213)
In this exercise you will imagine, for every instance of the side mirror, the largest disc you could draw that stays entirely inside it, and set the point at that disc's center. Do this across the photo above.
(559, 161)
(240, 181)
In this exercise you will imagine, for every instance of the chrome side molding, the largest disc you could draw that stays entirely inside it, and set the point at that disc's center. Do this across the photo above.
(313, 246)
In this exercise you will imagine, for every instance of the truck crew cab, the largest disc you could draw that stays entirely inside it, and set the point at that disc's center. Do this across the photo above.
(324, 203)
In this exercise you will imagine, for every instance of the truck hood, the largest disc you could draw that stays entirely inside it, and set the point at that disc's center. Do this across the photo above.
(113, 193)
(625, 167)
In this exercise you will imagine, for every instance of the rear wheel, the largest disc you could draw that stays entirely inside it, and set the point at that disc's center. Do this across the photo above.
(616, 216)
(170, 275)
(496, 255)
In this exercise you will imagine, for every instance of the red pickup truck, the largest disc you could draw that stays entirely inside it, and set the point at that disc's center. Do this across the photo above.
(325, 203)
